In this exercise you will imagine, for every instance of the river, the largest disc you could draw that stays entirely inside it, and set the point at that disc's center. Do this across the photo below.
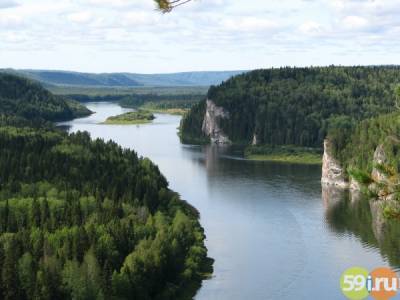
(271, 233)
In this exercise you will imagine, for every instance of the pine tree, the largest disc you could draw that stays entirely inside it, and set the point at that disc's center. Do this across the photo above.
(9, 271)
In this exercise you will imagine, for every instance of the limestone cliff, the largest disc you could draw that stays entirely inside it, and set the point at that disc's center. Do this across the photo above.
(211, 127)
(385, 181)
(332, 171)
(379, 159)
(255, 140)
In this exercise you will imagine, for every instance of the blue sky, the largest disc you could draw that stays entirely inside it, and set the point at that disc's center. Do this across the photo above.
(130, 36)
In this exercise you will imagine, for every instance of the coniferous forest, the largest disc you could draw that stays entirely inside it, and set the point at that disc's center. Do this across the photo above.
(296, 106)
(82, 218)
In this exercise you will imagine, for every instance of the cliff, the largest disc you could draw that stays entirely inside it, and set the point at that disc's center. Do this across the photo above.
(332, 171)
(211, 127)
(383, 180)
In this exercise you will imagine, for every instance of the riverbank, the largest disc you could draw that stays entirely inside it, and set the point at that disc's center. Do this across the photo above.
(284, 154)
(169, 111)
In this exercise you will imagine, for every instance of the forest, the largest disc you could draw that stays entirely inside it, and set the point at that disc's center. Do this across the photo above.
(28, 99)
(296, 106)
(83, 218)
(354, 149)
(171, 101)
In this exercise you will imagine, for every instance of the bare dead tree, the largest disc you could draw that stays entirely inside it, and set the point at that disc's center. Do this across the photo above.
(167, 5)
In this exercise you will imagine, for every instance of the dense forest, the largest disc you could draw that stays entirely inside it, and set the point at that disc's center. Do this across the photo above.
(297, 106)
(86, 219)
(27, 99)
(184, 101)
(355, 149)
(149, 101)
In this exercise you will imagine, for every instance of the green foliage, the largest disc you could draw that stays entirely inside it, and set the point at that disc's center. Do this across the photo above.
(361, 142)
(298, 106)
(190, 129)
(397, 96)
(359, 175)
(164, 101)
(21, 97)
(291, 154)
(83, 219)
(134, 117)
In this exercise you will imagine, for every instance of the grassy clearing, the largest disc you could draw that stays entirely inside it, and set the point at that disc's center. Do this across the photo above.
(285, 154)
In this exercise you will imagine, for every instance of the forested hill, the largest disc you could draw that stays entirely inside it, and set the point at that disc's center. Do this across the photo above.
(27, 99)
(82, 219)
(66, 78)
(296, 106)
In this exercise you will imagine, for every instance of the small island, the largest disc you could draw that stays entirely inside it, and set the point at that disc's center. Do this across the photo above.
(131, 118)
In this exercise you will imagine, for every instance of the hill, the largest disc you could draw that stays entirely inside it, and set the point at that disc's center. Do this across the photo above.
(27, 99)
(83, 219)
(291, 106)
(66, 78)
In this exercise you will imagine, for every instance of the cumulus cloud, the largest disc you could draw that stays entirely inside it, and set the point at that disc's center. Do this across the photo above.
(355, 22)
(249, 24)
(311, 28)
(237, 33)
(80, 17)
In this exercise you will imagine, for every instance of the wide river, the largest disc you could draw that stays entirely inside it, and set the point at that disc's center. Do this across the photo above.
(271, 232)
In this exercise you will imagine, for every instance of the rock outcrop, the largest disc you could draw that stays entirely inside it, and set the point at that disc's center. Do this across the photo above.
(211, 127)
(332, 171)
(255, 140)
(354, 185)
(379, 159)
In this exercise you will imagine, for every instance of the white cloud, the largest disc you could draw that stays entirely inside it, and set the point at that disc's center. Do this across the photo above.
(80, 17)
(355, 22)
(311, 28)
(140, 18)
(249, 24)
(8, 21)
(204, 34)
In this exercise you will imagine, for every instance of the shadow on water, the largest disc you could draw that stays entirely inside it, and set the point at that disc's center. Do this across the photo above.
(228, 163)
(351, 212)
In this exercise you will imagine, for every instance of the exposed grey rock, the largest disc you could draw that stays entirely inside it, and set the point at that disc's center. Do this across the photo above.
(332, 171)
(379, 159)
(255, 140)
(354, 185)
(211, 127)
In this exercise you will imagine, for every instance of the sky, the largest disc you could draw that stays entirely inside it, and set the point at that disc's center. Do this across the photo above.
(131, 36)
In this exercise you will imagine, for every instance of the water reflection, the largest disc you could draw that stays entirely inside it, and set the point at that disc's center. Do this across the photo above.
(264, 222)
(352, 212)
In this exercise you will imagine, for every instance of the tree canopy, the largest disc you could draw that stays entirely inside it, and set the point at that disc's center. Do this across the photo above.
(297, 106)
(28, 99)
(83, 218)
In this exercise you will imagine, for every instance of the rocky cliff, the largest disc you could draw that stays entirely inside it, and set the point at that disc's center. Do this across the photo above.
(211, 127)
(383, 182)
(332, 171)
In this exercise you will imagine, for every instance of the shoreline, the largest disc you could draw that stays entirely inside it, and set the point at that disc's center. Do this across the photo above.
(290, 159)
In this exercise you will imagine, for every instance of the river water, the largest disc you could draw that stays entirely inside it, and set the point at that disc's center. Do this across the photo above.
(270, 231)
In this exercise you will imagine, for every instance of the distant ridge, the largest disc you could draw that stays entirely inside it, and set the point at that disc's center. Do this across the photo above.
(67, 78)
